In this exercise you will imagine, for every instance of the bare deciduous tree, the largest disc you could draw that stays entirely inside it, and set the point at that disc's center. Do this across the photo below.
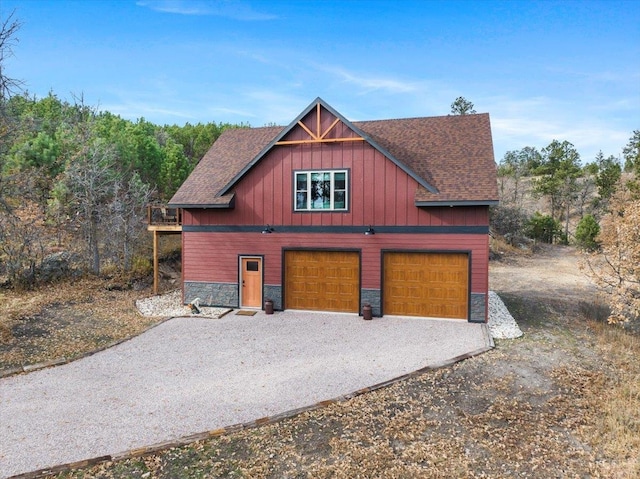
(8, 29)
(21, 244)
(8, 39)
(616, 268)
(90, 180)
(126, 214)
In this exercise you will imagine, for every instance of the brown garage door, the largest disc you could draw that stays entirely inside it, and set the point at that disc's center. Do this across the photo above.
(426, 284)
(322, 280)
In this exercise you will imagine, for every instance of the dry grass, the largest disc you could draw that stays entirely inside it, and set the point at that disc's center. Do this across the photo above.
(563, 401)
(500, 247)
(66, 320)
(619, 421)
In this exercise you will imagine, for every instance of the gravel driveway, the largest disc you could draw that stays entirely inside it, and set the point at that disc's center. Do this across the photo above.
(190, 375)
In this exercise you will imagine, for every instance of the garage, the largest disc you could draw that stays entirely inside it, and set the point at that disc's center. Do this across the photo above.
(434, 285)
(322, 280)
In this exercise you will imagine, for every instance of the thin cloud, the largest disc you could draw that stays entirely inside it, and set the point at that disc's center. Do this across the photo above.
(619, 105)
(235, 9)
(527, 127)
(626, 77)
(370, 82)
(279, 107)
(135, 111)
(589, 137)
(232, 111)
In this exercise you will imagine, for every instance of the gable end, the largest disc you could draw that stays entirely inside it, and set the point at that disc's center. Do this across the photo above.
(320, 136)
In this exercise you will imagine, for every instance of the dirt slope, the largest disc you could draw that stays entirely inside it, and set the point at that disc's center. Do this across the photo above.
(552, 272)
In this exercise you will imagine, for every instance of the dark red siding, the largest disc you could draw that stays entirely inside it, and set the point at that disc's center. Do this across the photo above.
(380, 193)
(213, 257)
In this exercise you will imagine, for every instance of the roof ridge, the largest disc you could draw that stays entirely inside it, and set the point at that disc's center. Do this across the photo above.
(418, 118)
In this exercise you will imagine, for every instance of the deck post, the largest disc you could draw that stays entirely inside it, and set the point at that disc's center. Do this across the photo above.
(161, 224)
(155, 262)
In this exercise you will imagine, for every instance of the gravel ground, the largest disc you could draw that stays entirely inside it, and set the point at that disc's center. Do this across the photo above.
(501, 323)
(170, 305)
(188, 375)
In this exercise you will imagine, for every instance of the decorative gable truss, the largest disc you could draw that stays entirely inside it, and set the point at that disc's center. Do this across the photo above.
(320, 123)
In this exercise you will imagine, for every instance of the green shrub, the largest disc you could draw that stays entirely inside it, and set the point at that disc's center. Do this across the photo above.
(544, 228)
(586, 233)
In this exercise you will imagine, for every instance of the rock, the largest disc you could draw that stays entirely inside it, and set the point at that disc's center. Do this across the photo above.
(57, 266)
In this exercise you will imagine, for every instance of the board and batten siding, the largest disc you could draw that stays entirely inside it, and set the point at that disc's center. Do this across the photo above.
(213, 257)
(380, 193)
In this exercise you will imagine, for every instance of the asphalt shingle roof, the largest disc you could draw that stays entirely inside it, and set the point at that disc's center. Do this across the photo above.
(452, 154)
(228, 155)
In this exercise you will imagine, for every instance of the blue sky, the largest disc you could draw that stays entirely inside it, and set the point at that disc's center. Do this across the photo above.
(544, 70)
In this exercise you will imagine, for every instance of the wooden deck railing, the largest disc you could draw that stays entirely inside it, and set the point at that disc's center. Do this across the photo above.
(162, 215)
(162, 220)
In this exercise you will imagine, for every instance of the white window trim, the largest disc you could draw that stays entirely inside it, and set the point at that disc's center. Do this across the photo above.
(332, 184)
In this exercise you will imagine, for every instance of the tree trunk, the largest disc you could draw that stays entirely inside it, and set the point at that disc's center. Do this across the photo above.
(94, 250)
(126, 253)
(566, 224)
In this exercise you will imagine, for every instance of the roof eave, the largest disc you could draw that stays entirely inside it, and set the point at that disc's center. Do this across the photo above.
(377, 146)
(230, 204)
(458, 203)
(199, 206)
(270, 145)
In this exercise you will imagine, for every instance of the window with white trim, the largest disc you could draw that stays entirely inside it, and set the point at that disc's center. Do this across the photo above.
(321, 190)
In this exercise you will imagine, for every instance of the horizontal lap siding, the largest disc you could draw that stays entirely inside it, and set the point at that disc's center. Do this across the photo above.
(214, 256)
(426, 216)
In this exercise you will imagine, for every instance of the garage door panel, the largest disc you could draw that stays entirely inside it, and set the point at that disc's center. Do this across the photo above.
(333, 288)
(297, 288)
(415, 293)
(322, 280)
(434, 294)
(311, 288)
(426, 284)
